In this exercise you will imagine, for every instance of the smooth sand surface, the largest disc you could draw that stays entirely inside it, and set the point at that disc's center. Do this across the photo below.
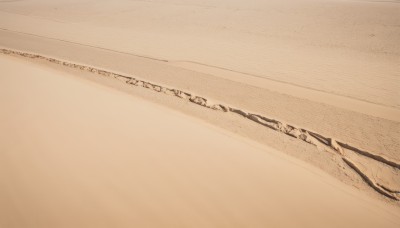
(77, 154)
(223, 91)
(355, 148)
(344, 47)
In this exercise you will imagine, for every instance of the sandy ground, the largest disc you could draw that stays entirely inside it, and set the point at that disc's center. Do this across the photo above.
(316, 80)
(349, 48)
(98, 157)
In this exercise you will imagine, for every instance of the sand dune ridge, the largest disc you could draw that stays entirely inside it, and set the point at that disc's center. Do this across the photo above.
(325, 143)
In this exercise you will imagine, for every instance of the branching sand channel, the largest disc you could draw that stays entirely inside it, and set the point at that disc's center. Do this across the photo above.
(351, 155)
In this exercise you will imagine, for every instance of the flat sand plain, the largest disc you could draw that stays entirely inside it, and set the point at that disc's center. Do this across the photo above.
(316, 80)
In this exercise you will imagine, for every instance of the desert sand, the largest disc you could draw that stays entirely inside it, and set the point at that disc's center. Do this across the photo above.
(200, 113)
(98, 157)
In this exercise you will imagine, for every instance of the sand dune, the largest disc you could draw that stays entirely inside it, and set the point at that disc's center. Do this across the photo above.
(376, 163)
(200, 113)
(98, 157)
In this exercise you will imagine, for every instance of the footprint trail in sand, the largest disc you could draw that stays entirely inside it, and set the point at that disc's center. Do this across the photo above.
(352, 156)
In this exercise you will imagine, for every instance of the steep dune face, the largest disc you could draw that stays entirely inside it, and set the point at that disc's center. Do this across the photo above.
(349, 48)
(74, 153)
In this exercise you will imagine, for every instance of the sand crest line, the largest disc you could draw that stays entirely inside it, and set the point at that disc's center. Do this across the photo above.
(276, 125)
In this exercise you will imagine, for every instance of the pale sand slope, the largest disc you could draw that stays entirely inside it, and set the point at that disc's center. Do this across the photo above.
(77, 154)
(328, 66)
(380, 170)
(374, 142)
(349, 48)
